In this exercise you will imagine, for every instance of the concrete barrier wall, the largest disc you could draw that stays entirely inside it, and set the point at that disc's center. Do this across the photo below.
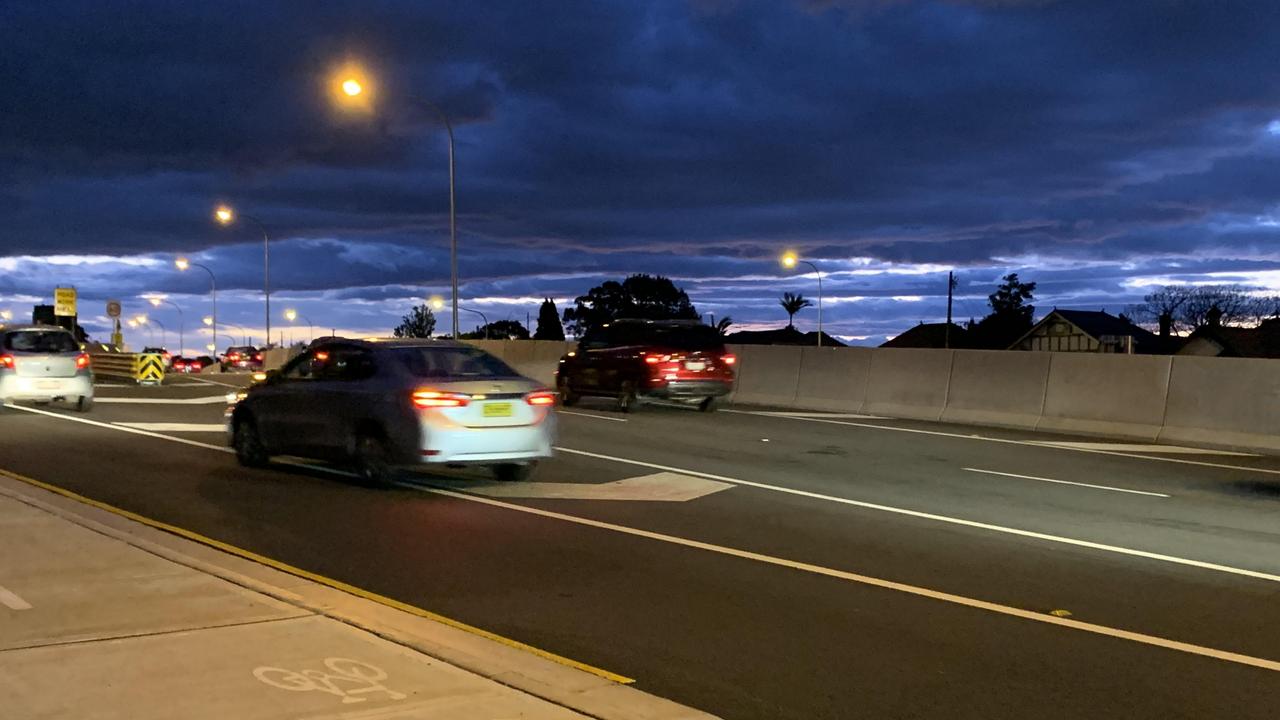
(1100, 394)
(767, 374)
(1231, 402)
(991, 387)
(536, 359)
(908, 383)
(833, 378)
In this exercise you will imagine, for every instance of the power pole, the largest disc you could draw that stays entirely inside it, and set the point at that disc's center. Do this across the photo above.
(951, 286)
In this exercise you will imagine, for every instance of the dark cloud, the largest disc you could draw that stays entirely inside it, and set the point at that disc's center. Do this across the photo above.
(600, 138)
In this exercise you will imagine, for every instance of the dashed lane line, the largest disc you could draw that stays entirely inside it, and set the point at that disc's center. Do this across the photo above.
(1067, 482)
(10, 599)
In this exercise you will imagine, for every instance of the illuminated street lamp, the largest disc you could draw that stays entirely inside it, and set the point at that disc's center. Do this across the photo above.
(226, 216)
(292, 315)
(352, 94)
(789, 261)
(212, 321)
(182, 340)
(6, 315)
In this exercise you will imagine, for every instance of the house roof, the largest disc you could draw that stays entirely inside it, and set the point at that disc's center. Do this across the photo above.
(930, 335)
(781, 336)
(1098, 324)
(1258, 342)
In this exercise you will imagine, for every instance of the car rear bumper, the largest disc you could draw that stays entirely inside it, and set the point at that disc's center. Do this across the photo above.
(682, 389)
(487, 445)
(13, 387)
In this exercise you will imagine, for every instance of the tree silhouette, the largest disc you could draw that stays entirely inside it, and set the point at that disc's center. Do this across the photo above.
(419, 323)
(722, 325)
(1011, 314)
(643, 297)
(793, 304)
(498, 330)
(549, 327)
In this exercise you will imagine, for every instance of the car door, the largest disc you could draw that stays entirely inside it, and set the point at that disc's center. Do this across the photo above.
(341, 397)
(278, 406)
(589, 360)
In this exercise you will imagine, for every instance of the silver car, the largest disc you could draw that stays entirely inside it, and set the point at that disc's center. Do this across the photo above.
(381, 405)
(44, 363)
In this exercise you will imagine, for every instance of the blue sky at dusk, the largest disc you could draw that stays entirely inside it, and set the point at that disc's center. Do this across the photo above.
(1097, 148)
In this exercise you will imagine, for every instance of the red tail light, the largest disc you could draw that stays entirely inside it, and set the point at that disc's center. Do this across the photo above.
(82, 361)
(437, 399)
(652, 359)
(541, 398)
(7, 361)
(322, 356)
(728, 359)
(233, 356)
(258, 356)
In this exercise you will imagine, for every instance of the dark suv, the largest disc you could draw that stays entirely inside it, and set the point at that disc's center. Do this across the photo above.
(242, 357)
(633, 360)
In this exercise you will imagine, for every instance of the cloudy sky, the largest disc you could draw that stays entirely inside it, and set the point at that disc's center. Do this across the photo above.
(1097, 148)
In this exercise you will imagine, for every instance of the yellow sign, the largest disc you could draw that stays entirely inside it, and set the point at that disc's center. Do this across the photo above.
(148, 368)
(497, 410)
(64, 302)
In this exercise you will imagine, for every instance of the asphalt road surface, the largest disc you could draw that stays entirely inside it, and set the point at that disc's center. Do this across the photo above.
(768, 565)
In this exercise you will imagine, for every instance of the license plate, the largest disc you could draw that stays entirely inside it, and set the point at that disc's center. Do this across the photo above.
(497, 410)
(695, 365)
(48, 384)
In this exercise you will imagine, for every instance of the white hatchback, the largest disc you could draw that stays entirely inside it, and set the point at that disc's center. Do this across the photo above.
(44, 363)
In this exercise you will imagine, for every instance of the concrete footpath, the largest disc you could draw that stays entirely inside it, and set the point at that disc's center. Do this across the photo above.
(104, 617)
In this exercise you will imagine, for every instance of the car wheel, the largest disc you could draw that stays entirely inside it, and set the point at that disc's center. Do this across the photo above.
(709, 404)
(373, 461)
(627, 399)
(84, 404)
(250, 451)
(514, 472)
(568, 397)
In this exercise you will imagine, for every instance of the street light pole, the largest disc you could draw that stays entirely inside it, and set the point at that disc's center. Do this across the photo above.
(482, 317)
(791, 260)
(183, 264)
(226, 216)
(182, 340)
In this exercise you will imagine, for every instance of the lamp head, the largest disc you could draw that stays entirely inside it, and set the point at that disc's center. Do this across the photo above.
(224, 215)
(182, 263)
(789, 260)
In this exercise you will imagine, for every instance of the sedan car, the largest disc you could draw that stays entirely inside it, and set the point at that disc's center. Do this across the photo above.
(44, 363)
(243, 357)
(383, 405)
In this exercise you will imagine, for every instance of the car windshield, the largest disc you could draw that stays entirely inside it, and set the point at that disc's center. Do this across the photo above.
(451, 362)
(41, 341)
(679, 337)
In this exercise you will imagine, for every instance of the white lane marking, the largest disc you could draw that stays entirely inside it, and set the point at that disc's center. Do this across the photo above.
(134, 431)
(945, 519)
(597, 417)
(175, 427)
(111, 385)
(658, 487)
(790, 491)
(1127, 447)
(210, 400)
(212, 382)
(1137, 637)
(1008, 441)
(831, 415)
(11, 600)
(1066, 482)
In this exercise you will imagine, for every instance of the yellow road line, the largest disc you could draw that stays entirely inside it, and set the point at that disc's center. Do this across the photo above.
(321, 579)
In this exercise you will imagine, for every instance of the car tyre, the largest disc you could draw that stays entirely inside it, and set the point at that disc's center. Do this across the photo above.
(568, 397)
(514, 472)
(84, 404)
(250, 452)
(709, 405)
(373, 461)
(627, 399)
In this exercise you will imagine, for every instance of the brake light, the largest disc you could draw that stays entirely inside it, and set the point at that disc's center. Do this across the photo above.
(541, 398)
(437, 399)
(728, 359)
(7, 361)
(233, 356)
(82, 361)
(652, 359)
(322, 356)
(258, 356)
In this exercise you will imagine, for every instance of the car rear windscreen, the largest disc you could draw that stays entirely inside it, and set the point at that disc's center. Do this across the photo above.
(441, 362)
(681, 337)
(40, 341)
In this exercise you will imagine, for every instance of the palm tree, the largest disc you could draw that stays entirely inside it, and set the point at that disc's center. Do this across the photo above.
(793, 304)
(722, 325)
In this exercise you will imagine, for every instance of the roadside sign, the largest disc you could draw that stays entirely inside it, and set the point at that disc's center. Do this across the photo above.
(64, 302)
(113, 308)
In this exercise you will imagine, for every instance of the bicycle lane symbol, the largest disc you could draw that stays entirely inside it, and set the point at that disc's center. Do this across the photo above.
(345, 678)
